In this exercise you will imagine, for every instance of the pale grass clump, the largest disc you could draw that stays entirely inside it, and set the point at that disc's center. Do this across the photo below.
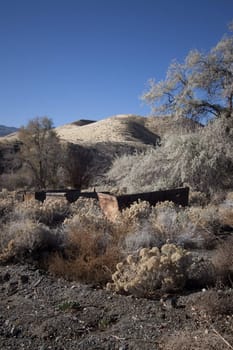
(202, 226)
(190, 227)
(25, 239)
(139, 237)
(200, 339)
(150, 270)
(151, 226)
(147, 226)
(212, 303)
(165, 221)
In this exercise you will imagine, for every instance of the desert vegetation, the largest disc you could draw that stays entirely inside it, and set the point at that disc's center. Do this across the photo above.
(146, 252)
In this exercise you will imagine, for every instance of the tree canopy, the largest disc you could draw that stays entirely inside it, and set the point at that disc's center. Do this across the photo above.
(41, 151)
(199, 88)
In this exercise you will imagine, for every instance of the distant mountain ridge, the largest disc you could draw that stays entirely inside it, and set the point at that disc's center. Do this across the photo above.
(6, 130)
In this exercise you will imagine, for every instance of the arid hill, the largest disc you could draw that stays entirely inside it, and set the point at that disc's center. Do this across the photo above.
(122, 128)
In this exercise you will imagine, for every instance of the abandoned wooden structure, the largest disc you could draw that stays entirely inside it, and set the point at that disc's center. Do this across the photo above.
(71, 195)
(111, 204)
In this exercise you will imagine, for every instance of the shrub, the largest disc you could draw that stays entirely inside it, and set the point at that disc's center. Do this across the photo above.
(91, 249)
(203, 160)
(88, 257)
(52, 212)
(144, 273)
(200, 227)
(201, 273)
(26, 239)
(147, 226)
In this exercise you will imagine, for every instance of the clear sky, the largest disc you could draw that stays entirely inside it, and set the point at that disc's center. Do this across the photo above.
(90, 59)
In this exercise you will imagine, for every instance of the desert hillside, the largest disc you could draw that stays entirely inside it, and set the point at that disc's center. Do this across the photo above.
(121, 128)
(124, 128)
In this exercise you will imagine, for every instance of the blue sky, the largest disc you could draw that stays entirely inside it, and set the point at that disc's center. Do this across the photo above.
(90, 59)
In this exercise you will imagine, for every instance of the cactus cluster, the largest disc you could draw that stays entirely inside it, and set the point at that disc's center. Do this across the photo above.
(151, 270)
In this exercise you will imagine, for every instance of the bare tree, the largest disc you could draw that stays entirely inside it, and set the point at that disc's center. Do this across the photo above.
(200, 87)
(77, 165)
(41, 151)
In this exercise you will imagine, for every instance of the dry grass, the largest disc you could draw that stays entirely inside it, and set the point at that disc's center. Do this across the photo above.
(89, 257)
(201, 339)
(213, 303)
(91, 248)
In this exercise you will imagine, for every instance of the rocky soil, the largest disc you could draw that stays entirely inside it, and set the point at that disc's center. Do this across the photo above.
(39, 311)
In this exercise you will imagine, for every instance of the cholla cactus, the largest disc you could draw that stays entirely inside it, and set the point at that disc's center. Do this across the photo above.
(151, 270)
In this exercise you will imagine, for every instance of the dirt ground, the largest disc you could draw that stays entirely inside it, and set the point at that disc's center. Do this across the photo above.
(39, 311)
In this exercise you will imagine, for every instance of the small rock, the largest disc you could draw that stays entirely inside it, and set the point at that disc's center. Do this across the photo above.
(12, 288)
(6, 277)
(15, 331)
(24, 279)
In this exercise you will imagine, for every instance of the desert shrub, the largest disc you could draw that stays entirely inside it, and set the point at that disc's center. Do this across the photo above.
(203, 160)
(147, 226)
(91, 247)
(90, 268)
(52, 212)
(24, 239)
(87, 211)
(197, 198)
(137, 211)
(149, 270)
(201, 273)
(200, 227)
(223, 261)
(141, 237)
(165, 220)
(189, 227)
